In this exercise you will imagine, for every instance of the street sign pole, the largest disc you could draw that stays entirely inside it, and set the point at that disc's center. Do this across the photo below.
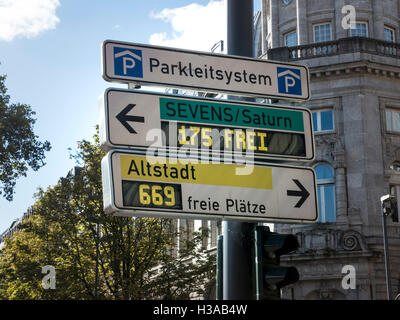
(387, 207)
(386, 255)
(219, 275)
(237, 241)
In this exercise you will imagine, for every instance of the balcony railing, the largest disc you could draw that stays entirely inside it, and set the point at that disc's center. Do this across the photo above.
(330, 48)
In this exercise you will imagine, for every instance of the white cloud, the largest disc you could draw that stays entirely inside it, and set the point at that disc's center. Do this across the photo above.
(26, 18)
(194, 26)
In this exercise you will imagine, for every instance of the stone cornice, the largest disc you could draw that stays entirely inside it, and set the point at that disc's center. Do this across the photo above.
(325, 255)
(364, 68)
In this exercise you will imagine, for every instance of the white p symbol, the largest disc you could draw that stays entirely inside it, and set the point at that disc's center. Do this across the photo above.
(125, 64)
(289, 82)
(128, 62)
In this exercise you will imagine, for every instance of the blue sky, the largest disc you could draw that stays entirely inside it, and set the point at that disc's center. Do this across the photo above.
(50, 51)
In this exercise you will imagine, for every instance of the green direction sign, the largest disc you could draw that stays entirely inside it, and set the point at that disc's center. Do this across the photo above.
(207, 127)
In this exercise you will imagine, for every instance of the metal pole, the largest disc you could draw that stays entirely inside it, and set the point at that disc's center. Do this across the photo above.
(219, 281)
(240, 27)
(237, 243)
(387, 262)
(96, 281)
(237, 260)
(258, 264)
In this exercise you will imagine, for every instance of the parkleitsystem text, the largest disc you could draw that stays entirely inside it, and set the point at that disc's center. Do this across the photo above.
(208, 72)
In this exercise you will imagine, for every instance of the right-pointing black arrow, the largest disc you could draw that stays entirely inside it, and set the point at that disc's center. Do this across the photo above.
(124, 118)
(303, 193)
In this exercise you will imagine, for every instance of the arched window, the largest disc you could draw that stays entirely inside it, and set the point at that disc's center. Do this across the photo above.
(326, 192)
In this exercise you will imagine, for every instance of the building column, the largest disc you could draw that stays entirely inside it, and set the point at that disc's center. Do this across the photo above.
(301, 15)
(340, 193)
(275, 24)
(339, 155)
(339, 31)
(264, 26)
(377, 21)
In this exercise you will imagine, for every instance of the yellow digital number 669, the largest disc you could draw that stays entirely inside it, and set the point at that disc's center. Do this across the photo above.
(155, 195)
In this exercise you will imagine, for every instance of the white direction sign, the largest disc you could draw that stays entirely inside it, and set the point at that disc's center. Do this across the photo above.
(153, 65)
(138, 185)
(207, 127)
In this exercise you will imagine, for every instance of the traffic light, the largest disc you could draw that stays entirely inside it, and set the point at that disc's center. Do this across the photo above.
(270, 276)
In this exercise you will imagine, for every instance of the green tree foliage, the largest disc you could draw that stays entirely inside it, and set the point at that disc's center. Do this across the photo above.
(137, 257)
(19, 147)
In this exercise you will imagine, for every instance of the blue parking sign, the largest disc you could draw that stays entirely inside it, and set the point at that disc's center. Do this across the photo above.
(289, 81)
(128, 62)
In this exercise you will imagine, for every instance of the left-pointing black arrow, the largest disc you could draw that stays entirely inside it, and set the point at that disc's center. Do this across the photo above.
(123, 117)
(303, 193)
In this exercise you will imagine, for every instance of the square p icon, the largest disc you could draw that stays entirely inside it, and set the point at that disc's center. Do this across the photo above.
(289, 81)
(128, 62)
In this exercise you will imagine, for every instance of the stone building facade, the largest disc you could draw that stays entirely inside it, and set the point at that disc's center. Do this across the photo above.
(355, 101)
